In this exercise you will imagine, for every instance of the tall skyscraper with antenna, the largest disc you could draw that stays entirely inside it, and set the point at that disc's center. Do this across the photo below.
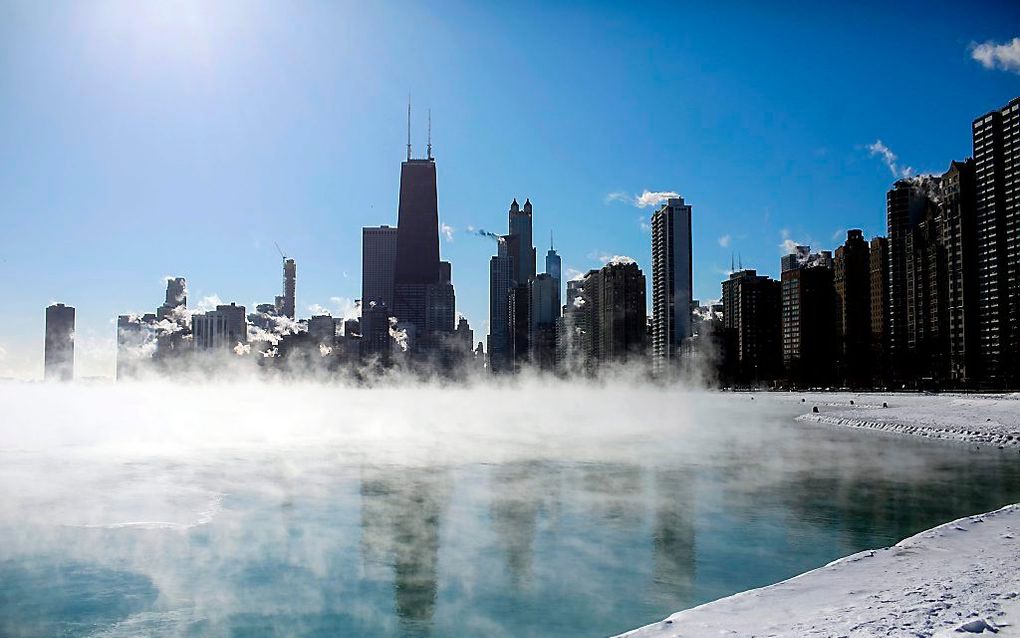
(417, 277)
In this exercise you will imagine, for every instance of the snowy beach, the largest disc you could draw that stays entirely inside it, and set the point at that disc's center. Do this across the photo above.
(983, 419)
(959, 578)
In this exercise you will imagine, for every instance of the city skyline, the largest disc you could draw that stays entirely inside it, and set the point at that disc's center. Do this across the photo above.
(107, 262)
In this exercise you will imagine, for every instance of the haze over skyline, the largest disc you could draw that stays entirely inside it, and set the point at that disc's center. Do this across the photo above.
(186, 138)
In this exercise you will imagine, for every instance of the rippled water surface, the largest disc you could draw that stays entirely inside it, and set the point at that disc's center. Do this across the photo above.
(542, 510)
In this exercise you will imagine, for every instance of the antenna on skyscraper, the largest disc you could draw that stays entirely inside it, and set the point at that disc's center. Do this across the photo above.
(732, 269)
(429, 148)
(279, 250)
(408, 127)
(551, 247)
(740, 262)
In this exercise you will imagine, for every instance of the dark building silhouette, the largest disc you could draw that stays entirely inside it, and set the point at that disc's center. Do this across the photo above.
(852, 281)
(378, 261)
(287, 299)
(322, 330)
(959, 240)
(927, 325)
(996, 138)
(417, 262)
(58, 353)
(623, 314)
(878, 260)
(174, 324)
(752, 307)
(553, 266)
(501, 278)
(523, 251)
(672, 282)
(809, 320)
(518, 305)
(907, 204)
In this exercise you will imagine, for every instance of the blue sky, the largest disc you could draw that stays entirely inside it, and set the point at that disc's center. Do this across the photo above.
(141, 140)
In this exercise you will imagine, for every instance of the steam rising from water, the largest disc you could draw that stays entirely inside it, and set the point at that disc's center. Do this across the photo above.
(535, 506)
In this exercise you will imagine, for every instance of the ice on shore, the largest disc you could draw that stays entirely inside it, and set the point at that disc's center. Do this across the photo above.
(958, 579)
(986, 419)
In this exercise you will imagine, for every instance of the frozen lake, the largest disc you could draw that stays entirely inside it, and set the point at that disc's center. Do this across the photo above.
(547, 509)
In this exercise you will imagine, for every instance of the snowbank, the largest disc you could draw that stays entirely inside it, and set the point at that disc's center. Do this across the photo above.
(991, 419)
(958, 579)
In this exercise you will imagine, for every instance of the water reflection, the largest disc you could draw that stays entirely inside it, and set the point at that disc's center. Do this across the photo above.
(673, 537)
(401, 514)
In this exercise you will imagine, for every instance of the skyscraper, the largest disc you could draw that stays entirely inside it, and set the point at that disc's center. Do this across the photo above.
(176, 295)
(520, 224)
(852, 279)
(544, 310)
(879, 272)
(622, 312)
(906, 204)
(223, 328)
(289, 285)
(417, 262)
(752, 307)
(672, 283)
(997, 190)
(959, 240)
(58, 354)
(553, 267)
(378, 260)
(132, 334)
(808, 320)
(501, 274)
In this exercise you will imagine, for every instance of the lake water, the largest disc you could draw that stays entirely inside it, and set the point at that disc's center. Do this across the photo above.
(544, 511)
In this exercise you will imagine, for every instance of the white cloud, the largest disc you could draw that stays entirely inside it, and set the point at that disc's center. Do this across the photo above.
(643, 223)
(890, 159)
(447, 232)
(208, 303)
(788, 245)
(644, 200)
(650, 198)
(725, 241)
(346, 307)
(1005, 57)
(617, 260)
(316, 309)
(573, 274)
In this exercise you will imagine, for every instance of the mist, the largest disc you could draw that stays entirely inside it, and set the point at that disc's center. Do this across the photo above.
(525, 506)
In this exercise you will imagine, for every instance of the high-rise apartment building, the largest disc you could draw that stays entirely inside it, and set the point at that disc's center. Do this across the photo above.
(852, 281)
(752, 308)
(672, 282)
(997, 209)
(959, 241)
(809, 321)
(289, 288)
(878, 260)
(553, 266)
(622, 313)
(58, 354)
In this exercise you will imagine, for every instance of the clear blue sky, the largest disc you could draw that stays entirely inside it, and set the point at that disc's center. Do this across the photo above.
(144, 139)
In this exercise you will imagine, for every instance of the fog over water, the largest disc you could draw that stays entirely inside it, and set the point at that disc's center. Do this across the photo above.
(539, 507)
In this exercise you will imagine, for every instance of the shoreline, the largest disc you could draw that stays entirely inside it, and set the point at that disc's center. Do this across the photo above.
(958, 578)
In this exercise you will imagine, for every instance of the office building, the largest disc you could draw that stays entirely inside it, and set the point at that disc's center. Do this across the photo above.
(220, 329)
(544, 310)
(58, 354)
(959, 241)
(501, 276)
(878, 260)
(378, 260)
(289, 288)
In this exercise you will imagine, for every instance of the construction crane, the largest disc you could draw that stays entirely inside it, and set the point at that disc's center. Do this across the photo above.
(279, 250)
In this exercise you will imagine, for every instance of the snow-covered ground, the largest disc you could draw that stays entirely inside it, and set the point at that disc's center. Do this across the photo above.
(989, 419)
(958, 579)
